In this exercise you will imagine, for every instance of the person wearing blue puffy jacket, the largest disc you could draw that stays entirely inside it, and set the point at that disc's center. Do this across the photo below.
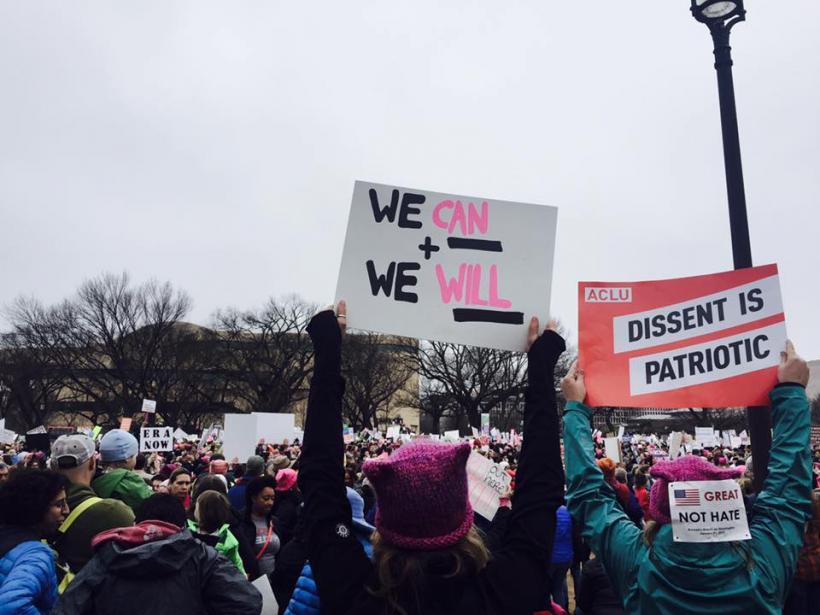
(32, 506)
(561, 557)
(305, 599)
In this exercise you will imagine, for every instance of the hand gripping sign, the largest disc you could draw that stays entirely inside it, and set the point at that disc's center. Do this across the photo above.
(707, 341)
(707, 511)
(446, 267)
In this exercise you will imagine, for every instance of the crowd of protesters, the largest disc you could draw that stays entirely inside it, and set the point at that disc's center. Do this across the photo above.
(384, 525)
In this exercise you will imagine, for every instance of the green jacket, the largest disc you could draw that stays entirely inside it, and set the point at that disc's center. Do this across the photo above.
(74, 545)
(745, 577)
(123, 485)
(226, 544)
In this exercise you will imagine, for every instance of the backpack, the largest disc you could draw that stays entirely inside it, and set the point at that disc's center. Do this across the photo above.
(64, 573)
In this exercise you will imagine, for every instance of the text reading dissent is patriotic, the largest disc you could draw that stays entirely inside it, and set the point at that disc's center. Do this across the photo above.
(735, 309)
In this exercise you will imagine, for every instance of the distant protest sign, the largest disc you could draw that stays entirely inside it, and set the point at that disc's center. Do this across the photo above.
(446, 267)
(487, 482)
(156, 439)
(707, 511)
(149, 406)
(703, 342)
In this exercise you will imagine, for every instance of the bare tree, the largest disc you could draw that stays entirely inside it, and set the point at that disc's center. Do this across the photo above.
(113, 344)
(376, 377)
(267, 353)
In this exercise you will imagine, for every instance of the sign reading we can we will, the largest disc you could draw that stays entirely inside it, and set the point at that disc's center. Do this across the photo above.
(446, 267)
(706, 341)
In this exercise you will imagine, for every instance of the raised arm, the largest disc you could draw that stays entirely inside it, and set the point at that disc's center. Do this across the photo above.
(339, 563)
(539, 483)
(784, 504)
(591, 502)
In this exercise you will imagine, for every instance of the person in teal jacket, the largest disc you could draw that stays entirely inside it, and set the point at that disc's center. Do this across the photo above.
(654, 574)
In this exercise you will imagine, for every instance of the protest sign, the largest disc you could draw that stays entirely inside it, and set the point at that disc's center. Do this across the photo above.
(179, 434)
(393, 432)
(621, 430)
(125, 423)
(240, 438)
(156, 439)
(269, 604)
(446, 267)
(735, 441)
(705, 436)
(612, 448)
(707, 511)
(815, 435)
(273, 428)
(348, 435)
(96, 432)
(7, 436)
(707, 341)
(487, 482)
(453, 435)
(149, 406)
(36, 430)
(675, 439)
(37, 442)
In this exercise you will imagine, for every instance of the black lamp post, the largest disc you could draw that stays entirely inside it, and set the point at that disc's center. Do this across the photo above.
(719, 16)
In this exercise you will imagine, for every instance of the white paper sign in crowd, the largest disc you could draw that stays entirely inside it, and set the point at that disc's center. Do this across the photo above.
(707, 511)
(149, 406)
(156, 439)
(486, 482)
(446, 267)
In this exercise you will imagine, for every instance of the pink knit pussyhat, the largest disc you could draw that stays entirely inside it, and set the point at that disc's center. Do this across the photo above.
(421, 491)
(685, 468)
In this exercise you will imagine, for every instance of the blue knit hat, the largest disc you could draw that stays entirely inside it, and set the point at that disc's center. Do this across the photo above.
(357, 508)
(118, 445)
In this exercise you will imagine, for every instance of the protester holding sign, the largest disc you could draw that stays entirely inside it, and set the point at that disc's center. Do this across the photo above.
(657, 574)
(427, 557)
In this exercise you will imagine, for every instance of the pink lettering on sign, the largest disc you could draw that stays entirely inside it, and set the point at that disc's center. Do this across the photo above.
(467, 286)
(449, 215)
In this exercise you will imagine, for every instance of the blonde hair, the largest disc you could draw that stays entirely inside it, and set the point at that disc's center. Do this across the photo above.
(403, 574)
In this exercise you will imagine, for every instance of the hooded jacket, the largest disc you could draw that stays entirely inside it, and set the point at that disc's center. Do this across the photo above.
(28, 581)
(123, 485)
(223, 541)
(154, 567)
(747, 577)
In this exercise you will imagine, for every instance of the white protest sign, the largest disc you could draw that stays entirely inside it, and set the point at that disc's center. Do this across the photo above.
(240, 436)
(36, 430)
(735, 441)
(487, 481)
(706, 436)
(707, 511)
(179, 434)
(7, 436)
(674, 444)
(621, 430)
(453, 435)
(446, 267)
(156, 439)
(393, 432)
(274, 428)
(269, 604)
(613, 449)
(149, 406)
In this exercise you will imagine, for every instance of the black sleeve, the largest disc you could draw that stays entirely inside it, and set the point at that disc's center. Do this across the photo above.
(340, 566)
(225, 589)
(523, 560)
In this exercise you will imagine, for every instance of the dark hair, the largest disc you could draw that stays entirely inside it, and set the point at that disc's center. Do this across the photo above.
(205, 482)
(640, 479)
(178, 472)
(214, 511)
(217, 457)
(158, 477)
(162, 507)
(254, 488)
(141, 461)
(27, 495)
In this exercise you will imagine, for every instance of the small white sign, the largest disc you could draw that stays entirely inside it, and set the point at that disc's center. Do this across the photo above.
(149, 406)
(452, 435)
(393, 432)
(487, 482)
(707, 511)
(612, 449)
(179, 434)
(156, 439)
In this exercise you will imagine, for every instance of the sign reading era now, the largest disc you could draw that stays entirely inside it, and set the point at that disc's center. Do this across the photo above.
(156, 439)
(706, 341)
(446, 267)
(707, 511)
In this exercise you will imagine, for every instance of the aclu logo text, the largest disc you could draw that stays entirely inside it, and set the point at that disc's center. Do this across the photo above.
(608, 295)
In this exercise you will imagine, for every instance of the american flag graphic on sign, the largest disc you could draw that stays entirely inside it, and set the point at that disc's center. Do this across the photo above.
(686, 497)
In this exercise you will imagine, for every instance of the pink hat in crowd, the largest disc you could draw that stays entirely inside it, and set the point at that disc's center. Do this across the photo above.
(685, 468)
(421, 491)
(286, 479)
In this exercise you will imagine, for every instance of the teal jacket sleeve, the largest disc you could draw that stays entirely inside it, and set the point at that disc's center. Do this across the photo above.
(784, 505)
(606, 528)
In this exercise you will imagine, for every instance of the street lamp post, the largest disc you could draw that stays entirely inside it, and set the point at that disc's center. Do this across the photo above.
(719, 16)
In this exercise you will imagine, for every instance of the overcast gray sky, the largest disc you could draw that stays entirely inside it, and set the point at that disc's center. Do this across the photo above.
(215, 144)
